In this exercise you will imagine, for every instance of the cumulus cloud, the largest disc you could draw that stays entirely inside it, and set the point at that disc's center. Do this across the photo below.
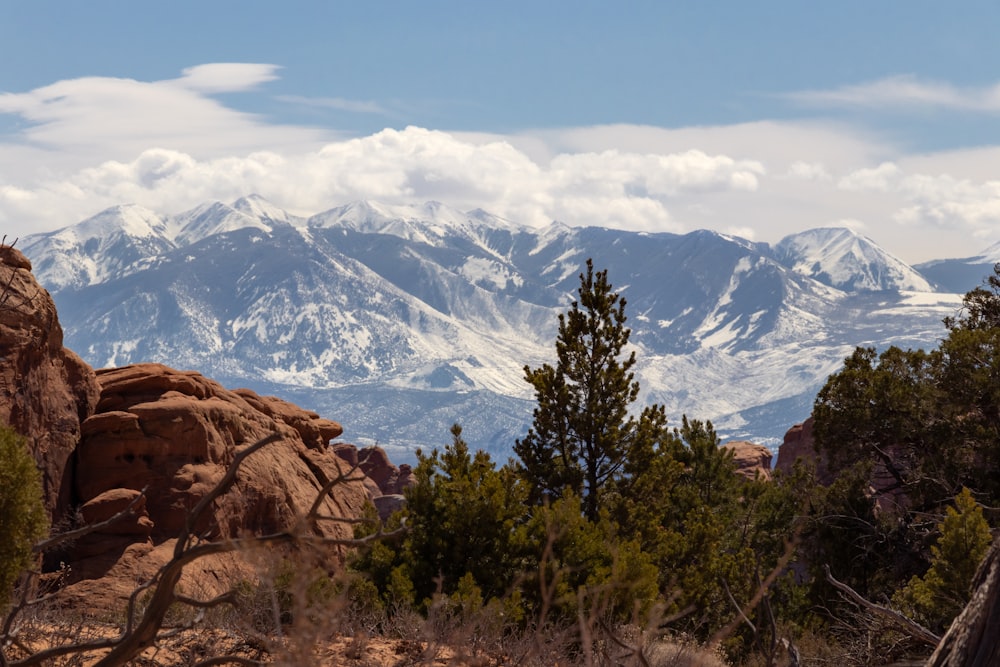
(905, 91)
(86, 144)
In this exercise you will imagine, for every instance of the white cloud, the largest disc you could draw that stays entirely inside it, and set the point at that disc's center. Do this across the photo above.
(227, 77)
(807, 171)
(77, 122)
(336, 103)
(905, 91)
(91, 143)
(882, 178)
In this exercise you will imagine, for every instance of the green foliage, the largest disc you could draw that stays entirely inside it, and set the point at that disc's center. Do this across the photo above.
(582, 434)
(574, 564)
(928, 425)
(461, 516)
(606, 515)
(980, 306)
(23, 520)
(938, 596)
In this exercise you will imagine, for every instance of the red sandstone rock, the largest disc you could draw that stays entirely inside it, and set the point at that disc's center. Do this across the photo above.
(347, 452)
(46, 391)
(391, 480)
(170, 434)
(799, 444)
(111, 502)
(375, 463)
(405, 479)
(752, 460)
(388, 505)
(175, 433)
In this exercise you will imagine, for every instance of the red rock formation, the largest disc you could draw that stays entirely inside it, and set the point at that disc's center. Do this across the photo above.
(176, 432)
(799, 444)
(385, 477)
(46, 391)
(752, 460)
(100, 438)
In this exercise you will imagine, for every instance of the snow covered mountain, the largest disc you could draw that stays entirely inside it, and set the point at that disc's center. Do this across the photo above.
(844, 259)
(402, 320)
(961, 275)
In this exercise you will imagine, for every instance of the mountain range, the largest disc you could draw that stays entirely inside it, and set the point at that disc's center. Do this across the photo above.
(399, 321)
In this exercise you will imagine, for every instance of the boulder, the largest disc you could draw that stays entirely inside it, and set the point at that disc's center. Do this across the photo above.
(161, 438)
(389, 504)
(174, 433)
(752, 460)
(46, 391)
(375, 463)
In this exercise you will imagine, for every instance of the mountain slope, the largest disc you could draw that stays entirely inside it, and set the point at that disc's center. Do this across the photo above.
(107, 245)
(844, 259)
(417, 317)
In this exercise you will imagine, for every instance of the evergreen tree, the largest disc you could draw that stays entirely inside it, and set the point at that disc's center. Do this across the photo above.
(938, 596)
(23, 519)
(461, 514)
(582, 432)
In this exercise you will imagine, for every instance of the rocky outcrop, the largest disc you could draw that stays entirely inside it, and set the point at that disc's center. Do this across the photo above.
(46, 391)
(752, 461)
(799, 444)
(157, 440)
(386, 478)
(175, 433)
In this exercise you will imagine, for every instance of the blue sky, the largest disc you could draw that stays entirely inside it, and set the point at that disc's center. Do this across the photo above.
(758, 119)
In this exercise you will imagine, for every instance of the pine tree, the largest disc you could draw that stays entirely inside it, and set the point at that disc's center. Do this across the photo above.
(582, 432)
(938, 596)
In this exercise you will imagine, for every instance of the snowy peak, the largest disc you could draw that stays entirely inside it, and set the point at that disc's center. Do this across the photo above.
(123, 220)
(989, 256)
(256, 206)
(214, 218)
(98, 248)
(421, 223)
(846, 260)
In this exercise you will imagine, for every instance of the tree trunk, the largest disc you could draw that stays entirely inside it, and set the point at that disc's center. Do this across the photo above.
(973, 640)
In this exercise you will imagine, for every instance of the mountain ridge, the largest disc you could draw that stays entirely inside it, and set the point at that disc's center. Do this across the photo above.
(419, 308)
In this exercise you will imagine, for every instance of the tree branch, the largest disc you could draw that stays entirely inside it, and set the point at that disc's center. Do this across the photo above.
(62, 538)
(907, 626)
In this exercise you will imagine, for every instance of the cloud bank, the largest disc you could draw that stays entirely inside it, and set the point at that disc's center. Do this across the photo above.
(81, 145)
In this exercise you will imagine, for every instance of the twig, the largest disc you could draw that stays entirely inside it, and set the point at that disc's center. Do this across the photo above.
(61, 538)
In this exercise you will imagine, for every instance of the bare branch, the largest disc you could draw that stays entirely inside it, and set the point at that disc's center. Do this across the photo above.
(226, 598)
(143, 631)
(229, 660)
(222, 487)
(971, 641)
(76, 534)
(907, 626)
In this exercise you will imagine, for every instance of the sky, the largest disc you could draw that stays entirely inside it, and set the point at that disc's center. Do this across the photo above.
(758, 119)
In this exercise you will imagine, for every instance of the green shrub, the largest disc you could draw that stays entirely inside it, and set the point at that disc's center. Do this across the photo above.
(23, 519)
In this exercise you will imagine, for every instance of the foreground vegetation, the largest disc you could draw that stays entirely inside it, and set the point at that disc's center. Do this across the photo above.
(614, 537)
(609, 513)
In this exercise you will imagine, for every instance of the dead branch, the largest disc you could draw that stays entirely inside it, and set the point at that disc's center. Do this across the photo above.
(906, 625)
(142, 632)
(69, 536)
